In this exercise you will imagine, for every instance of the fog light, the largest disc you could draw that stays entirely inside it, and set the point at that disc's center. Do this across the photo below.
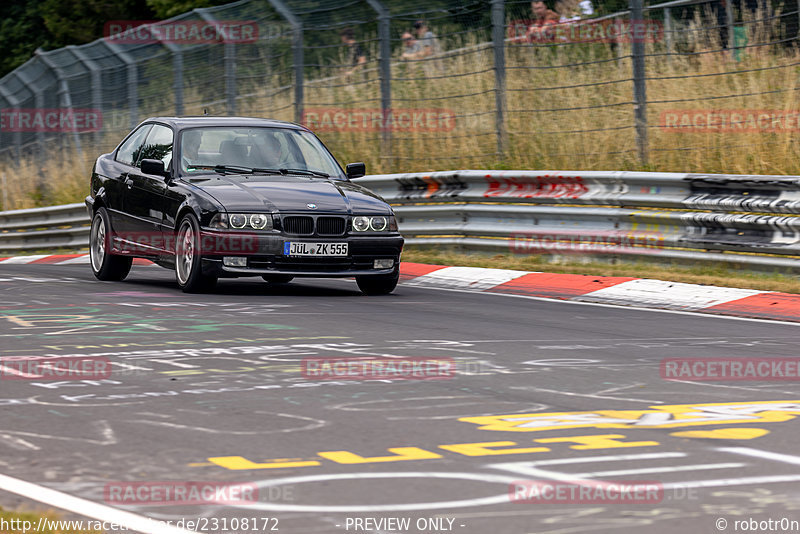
(383, 264)
(234, 261)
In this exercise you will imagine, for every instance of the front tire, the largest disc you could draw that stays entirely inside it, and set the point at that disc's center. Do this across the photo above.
(378, 284)
(188, 259)
(105, 266)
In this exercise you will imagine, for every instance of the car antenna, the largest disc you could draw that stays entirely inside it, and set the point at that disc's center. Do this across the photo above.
(205, 111)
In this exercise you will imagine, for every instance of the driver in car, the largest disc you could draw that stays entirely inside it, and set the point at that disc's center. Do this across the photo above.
(268, 153)
(190, 155)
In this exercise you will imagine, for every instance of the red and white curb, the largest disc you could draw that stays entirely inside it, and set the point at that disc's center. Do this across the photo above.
(58, 259)
(615, 290)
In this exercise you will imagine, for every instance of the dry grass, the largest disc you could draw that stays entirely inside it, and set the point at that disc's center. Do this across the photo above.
(707, 275)
(601, 137)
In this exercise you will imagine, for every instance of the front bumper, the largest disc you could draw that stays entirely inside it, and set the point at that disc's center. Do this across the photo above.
(265, 256)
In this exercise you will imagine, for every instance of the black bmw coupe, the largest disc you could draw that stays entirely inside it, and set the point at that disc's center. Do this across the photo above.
(222, 197)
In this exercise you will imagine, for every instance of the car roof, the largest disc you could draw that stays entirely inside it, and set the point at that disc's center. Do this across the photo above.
(180, 123)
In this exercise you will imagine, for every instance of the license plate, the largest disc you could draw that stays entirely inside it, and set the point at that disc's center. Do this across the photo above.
(314, 249)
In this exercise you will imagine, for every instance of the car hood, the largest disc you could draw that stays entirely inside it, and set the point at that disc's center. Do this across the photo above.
(290, 194)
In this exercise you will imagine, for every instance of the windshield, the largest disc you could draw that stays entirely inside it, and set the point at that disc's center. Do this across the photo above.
(255, 148)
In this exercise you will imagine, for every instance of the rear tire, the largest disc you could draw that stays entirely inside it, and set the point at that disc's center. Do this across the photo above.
(382, 284)
(188, 258)
(278, 278)
(105, 266)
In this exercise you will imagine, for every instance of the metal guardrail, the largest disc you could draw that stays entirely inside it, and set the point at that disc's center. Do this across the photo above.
(44, 229)
(745, 219)
(739, 219)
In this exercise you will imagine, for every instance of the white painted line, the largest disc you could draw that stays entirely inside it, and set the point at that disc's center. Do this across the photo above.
(610, 458)
(668, 469)
(532, 470)
(623, 307)
(23, 259)
(502, 498)
(86, 508)
(667, 294)
(732, 482)
(778, 457)
(467, 277)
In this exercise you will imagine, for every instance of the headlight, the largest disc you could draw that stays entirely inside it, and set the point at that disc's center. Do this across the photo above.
(259, 221)
(377, 223)
(239, 221)
(360, 224)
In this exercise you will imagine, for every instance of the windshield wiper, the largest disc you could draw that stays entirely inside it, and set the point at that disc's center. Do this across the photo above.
(232, 168)
(261, 170)
(305, 172)
(222, 169)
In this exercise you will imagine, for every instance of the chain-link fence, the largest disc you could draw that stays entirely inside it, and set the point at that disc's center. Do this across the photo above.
(408, 85)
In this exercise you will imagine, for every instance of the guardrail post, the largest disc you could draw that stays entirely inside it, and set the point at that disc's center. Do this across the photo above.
(299, 68)
(385, 69)
(498, 45)
(229, 59)
(133, 80)
(230, 77)
(97, 86)
(64, 97)
(14, 102)
(297, 55)
(177, 65)
(668, 32)
(639, 83)
(38, 99)
(729, 23)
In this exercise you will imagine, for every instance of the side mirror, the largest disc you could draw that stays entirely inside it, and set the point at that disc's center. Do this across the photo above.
(356, 170)
(153, 166)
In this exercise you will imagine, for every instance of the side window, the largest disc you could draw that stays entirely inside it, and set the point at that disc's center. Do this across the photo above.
(129, 150)
(157, 146)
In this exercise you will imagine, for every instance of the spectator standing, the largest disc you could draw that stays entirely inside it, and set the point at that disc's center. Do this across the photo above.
(356, 56)
(411, 47)
(540, 28)
(429, 44)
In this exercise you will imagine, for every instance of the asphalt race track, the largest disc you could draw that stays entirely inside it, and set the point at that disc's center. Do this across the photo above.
(209, 388)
